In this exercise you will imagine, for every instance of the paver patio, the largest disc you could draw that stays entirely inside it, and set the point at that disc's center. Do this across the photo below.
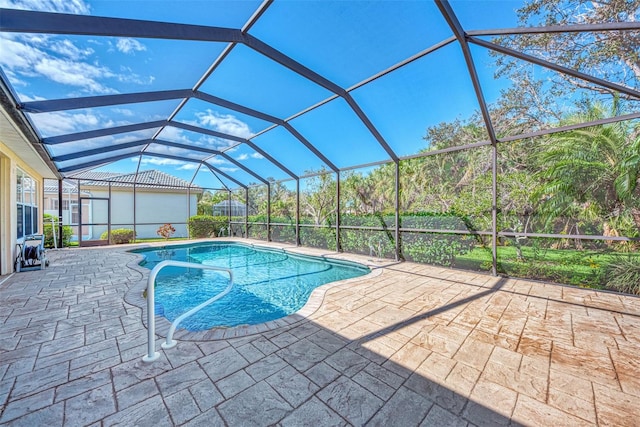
(407, 345)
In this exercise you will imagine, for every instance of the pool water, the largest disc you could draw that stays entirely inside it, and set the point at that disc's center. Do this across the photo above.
(268, 284)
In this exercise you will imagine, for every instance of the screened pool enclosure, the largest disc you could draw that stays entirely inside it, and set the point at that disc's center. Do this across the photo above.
(498, 136)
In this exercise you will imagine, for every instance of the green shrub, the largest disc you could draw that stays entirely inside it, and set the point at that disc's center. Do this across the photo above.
(207, 226)
(67, 232)
(120, 236)
(623, 274)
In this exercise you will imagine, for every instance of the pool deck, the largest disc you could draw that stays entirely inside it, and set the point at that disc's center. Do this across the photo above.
(408, 345)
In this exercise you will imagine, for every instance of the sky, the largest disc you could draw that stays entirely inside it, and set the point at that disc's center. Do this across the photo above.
(346, 42)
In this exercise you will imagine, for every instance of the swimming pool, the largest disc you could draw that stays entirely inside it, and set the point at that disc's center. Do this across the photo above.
(268, 284)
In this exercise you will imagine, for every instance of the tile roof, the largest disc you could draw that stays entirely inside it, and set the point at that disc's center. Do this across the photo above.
(146, 179)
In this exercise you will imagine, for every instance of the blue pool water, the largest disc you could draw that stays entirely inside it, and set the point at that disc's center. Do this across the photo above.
(268, 284)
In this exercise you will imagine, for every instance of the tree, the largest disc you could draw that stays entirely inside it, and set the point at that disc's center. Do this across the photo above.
(319, 198)
(592, 175)
(611, 55)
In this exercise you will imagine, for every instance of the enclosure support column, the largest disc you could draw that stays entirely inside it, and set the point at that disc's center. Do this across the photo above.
(297, 211)
(109, 218)
(229, 213)
(268, 212)
(246, 212)
(338, 247)
(189, 209)
(494, 208)
(397, 210)
(60, 239)
(135, 232)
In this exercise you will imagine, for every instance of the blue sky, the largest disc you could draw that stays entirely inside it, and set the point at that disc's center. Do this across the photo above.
(344, 41)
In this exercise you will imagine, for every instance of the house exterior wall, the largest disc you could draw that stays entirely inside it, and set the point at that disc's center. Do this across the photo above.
(153, 208)
(9, 163)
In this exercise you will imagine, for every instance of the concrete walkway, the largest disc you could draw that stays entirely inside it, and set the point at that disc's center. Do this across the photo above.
(409, 345)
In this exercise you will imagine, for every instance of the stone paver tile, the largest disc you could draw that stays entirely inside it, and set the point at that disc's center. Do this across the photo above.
(627, 367)
(570, 384)
(322, 374)
(210, 418)
(509, 342)
(462, 378)
(262, 344)
(93, 369)
(536, 346)
(585, 364)
(284, 339)
(410, 356)
(328, 341)
(151, 412)
(90, 406)
(534, 385)
(437, 393)
(39, 380)
(350, 400)
(293, 386)
(59, 345)
(571, 404)
(535, 365)
(222, 363)
(126, 374)
(18, 408)
(250, 353)
(51, 415)
(499, 399)
(303, 354)
(483, 416)
(265, 367)
(374, 385)
(273, 407)
(405, 408)
(206, 394)
(136, 393)
(530, 411)
(182, 407)
(82, 385)
(234, 384)
(21, 366)
(385, 375)
(444, 340)
(313, 413)
(474, 353)
(615, 408)
(183, 353)
(347, 362)
(440, 417)
(436, 367)
(180, 378)
(508, 358)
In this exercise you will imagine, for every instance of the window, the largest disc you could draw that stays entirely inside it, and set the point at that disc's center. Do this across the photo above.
(27, 204)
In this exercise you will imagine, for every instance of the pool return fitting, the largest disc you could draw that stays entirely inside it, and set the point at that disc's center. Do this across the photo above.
(152, 354)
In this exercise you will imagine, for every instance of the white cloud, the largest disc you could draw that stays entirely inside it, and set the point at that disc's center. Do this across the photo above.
(257, 156)
(73, 73)
(77, 7)
(242, 157)
(130, 46)
(68, 49)
(60, 123)
(225, 123)
(230, 170)
(188, 167)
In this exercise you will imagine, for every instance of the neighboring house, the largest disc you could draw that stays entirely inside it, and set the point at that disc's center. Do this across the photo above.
(93, 200)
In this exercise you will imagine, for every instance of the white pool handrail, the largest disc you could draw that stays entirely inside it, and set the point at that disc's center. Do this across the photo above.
(152, 354)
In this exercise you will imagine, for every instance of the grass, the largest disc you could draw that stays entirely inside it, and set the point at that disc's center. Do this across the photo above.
(584, 268)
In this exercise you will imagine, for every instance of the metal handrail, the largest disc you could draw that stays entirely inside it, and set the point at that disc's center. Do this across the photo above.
(152, 354)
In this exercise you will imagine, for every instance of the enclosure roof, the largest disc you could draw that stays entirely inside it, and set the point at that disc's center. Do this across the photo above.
(228, 94)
